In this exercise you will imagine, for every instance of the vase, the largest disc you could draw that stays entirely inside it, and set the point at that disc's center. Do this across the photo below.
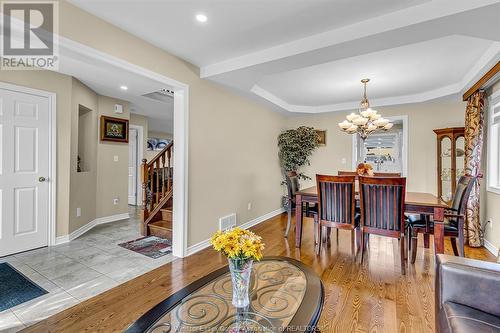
(241, 270)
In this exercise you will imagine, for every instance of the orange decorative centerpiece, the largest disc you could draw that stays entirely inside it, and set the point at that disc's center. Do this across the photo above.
(364, 169)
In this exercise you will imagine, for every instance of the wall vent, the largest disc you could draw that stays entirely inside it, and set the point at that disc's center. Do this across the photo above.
(227, 222)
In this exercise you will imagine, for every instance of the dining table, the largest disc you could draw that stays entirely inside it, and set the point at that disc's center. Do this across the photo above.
(415, 203)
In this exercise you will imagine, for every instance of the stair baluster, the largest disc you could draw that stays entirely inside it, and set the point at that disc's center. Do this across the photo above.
(156, 186)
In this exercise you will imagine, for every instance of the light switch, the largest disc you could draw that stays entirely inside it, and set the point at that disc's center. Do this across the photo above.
(344, 160)
(115, 158)
(118, 108)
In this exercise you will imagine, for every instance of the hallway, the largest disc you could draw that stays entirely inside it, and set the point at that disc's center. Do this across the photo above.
(78, 270)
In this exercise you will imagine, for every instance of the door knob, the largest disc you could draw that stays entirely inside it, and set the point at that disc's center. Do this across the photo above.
(42, 179)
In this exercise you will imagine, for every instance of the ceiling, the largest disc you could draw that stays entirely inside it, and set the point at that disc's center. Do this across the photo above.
(106, 79)
(308, 56)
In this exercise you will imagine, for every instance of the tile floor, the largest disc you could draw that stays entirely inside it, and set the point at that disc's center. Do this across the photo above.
(78, 270)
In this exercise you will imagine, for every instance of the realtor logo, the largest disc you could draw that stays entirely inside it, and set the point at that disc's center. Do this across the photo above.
(29, 33)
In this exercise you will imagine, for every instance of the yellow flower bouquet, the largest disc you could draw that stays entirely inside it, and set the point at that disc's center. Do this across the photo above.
(238, 243)
(241, 247)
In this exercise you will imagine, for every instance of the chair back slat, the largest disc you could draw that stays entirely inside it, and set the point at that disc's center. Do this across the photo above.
(461, 195)
(382, 203)
(336, 198)
(292, 183)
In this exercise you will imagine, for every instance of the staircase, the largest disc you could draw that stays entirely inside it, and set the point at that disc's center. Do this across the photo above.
(157, 194)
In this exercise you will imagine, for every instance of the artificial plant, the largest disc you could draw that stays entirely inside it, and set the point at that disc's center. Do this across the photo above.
(295, 148)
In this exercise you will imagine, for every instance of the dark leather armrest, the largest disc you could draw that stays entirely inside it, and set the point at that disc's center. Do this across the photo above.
(469, 282)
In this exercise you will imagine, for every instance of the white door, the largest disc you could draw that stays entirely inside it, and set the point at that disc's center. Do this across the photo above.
(132, 167)
(24, 171)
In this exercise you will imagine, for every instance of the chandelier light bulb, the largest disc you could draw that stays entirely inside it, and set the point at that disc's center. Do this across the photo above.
(345, 125)
(381, 122)
(388, 126)
(368, 113)
(360, 121)
(352, 116)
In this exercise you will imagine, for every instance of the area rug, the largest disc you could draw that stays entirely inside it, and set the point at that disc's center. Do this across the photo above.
(151, 246)
(15, 288)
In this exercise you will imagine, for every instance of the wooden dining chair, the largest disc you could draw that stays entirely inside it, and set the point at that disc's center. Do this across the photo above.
(293, 186)
(387, 174)
(375, 174)
(382, 202)
(453, 223)
(347, 173)
(336, 207)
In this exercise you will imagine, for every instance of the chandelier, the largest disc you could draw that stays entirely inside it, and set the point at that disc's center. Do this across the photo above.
(366, 121)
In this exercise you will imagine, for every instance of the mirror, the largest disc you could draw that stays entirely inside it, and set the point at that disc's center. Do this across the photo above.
(383, 150)
(446, 169)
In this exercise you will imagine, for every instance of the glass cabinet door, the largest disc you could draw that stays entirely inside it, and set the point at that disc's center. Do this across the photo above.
(460, 157)
(446, 165)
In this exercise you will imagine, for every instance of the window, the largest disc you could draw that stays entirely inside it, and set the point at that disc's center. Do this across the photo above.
(493, 136)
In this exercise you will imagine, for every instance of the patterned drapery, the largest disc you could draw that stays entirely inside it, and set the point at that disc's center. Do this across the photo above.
(474, 127)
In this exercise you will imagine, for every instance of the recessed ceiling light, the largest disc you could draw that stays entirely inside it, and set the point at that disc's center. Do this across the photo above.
(123, 87)
(201, 18)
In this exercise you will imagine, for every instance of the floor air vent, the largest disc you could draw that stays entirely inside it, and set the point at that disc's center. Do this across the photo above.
(227, 222)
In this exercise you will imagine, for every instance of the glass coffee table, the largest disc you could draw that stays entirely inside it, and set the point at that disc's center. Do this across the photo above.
(285, 295)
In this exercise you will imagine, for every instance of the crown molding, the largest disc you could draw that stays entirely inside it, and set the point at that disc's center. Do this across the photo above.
(399, 19)
(491, 57)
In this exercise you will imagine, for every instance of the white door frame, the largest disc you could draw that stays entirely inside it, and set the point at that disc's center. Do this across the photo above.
(52, 177)
(140, 156)
(404, 118)
(75, 50)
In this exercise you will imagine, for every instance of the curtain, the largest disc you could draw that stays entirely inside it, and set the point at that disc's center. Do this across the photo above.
(474, 127)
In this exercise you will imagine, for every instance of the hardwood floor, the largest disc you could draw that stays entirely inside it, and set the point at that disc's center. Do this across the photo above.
(373, 297)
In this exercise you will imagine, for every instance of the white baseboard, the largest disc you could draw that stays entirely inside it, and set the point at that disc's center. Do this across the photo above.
(62, 239)
(198, 247)
(83, 229)
(206, 243)
(490, 247)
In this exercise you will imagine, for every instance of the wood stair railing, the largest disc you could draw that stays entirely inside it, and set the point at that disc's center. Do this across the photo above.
(156, 185)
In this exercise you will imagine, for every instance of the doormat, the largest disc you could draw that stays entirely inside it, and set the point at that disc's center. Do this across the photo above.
(15, 288)
(151, 246)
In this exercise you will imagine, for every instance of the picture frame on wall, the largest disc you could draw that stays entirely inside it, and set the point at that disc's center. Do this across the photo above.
(322, 137)
(157, 144)
(114, 129)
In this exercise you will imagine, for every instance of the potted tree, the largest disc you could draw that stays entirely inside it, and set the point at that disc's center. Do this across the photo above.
(295, 148)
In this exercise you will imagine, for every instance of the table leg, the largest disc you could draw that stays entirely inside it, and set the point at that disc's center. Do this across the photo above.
(438, 230)
(298, 220)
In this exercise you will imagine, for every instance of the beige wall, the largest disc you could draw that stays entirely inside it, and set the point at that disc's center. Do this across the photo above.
(112, 176)
(422, 119)
(490, 210)
(161, 135)
(223, 128)
(83, 184)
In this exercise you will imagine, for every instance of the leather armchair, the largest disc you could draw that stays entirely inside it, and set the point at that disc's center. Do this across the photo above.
(467, 295)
